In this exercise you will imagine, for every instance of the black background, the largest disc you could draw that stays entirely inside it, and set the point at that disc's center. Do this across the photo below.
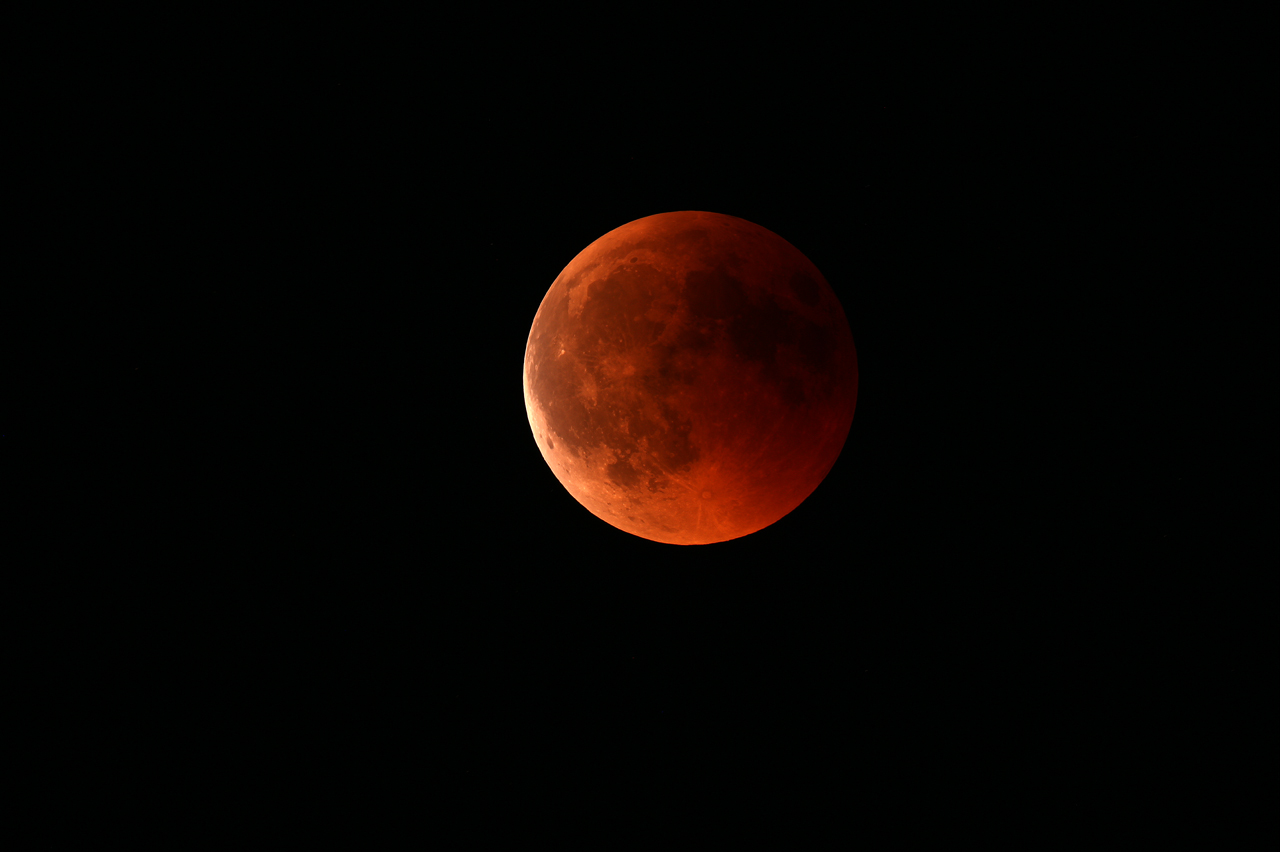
(341, 552)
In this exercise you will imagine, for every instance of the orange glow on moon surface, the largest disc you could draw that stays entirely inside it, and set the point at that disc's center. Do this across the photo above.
(690, 377)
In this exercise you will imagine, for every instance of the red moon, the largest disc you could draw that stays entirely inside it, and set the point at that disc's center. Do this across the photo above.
(690, 377)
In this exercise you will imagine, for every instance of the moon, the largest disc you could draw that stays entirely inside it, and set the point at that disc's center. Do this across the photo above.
(690, 377)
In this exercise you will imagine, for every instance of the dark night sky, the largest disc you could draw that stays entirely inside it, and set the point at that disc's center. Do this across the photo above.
(341, 528)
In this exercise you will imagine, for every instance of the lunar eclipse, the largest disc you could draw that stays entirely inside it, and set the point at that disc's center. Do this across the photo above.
(690, 377)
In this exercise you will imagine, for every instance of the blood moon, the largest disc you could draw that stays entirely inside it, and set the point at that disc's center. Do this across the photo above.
(690, 377)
